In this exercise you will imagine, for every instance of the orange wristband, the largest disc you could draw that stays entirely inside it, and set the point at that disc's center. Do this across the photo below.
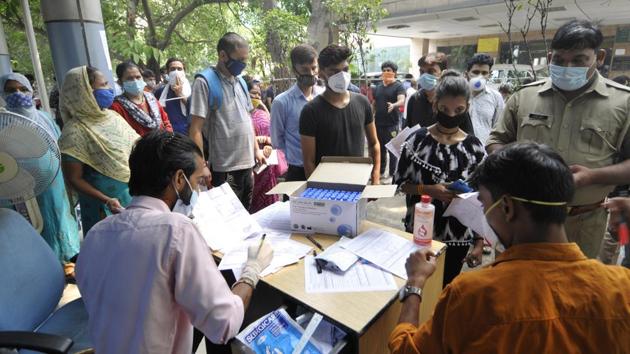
(420, 189)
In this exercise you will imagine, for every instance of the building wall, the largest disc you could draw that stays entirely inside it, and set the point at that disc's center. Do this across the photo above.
(616, 38)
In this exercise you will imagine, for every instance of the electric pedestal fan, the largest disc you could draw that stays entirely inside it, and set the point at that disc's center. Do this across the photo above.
(29, 162)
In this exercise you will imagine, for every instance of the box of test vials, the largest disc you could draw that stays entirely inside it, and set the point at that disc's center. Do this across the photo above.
(334, 198)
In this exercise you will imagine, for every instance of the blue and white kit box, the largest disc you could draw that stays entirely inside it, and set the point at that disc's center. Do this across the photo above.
(327, 215)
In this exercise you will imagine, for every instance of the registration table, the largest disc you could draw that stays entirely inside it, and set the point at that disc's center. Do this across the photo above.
(367, 317)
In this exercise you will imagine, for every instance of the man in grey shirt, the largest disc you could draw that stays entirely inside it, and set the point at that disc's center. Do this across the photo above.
(223, 118)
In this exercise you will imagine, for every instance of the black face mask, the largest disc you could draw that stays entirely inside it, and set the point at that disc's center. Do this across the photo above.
(449, 122)
(306, 80)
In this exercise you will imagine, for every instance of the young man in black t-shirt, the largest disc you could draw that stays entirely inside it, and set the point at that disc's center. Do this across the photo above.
(388, 97)
(337, 122)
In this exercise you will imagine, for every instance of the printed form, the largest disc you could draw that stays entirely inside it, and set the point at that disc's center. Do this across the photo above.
(360, 277)
(384, 249)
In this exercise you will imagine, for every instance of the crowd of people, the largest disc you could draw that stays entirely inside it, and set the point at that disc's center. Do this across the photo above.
(544, 159)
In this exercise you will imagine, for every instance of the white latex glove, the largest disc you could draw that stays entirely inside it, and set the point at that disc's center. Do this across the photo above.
(257, 261)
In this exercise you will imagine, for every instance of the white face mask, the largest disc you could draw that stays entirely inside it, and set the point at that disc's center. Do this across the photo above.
(477, 83)
(172, 79)
(339, 82)
(186, 208)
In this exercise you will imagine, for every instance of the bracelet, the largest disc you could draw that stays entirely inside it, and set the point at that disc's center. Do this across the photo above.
(420, 189)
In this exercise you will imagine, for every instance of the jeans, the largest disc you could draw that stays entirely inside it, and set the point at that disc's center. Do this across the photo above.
(385, 134)
(241, 182)
(294, 173)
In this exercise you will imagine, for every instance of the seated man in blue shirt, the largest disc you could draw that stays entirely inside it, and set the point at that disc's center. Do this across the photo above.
(174, 95)
(286, 109)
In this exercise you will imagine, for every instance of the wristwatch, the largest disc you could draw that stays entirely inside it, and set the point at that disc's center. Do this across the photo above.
(409, 290)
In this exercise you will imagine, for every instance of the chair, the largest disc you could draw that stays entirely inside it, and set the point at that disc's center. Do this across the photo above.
(32, 284)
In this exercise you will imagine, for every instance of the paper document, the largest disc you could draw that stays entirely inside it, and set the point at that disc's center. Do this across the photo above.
(395, 145)
(285, 252)
(269, 161)
(384, 249)
(222, 219)
(360, 277)
(273, 158)
(337, 258)
(277, 216)
(469, 211)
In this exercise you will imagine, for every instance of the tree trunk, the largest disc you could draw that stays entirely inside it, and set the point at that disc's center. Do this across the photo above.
(132, 13)
(278, 56)
(321, 31)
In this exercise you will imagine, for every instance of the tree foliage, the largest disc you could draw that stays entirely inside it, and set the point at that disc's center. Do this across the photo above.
(150, 31)
(355, 20)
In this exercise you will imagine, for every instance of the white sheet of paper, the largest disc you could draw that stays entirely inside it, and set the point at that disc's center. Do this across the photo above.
(277, 216)
(285, 252)
(384, 249)
(338, 257)
(273, 158)
(469, 211)
(360, 277)
(222, 219)
(395, 145)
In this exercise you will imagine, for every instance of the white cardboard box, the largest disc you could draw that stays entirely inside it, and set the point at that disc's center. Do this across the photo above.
(333, 217)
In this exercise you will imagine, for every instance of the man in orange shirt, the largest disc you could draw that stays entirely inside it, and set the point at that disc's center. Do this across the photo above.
(542, 295)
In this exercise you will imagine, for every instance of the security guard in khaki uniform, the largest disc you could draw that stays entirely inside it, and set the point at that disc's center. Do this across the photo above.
(584, 117)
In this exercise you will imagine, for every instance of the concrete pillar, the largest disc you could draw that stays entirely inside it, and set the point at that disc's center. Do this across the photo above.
(432, 46)
(5, 60)
(76, 34)
(416, 50)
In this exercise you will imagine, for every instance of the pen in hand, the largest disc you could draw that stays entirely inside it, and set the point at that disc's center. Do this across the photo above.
(261, 243)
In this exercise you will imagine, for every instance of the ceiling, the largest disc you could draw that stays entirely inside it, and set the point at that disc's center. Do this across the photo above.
(437, 19)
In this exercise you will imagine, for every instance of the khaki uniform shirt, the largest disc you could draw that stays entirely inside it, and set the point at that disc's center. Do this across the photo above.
(590, 130)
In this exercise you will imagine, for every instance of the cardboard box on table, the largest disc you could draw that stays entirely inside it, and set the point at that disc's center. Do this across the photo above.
(333, 217)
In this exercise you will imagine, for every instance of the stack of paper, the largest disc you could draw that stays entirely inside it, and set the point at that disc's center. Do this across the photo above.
(223, 221)
(384, 249)
(285, 252)
(277, 216)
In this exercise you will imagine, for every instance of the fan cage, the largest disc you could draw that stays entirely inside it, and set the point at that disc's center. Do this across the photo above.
(43, 168)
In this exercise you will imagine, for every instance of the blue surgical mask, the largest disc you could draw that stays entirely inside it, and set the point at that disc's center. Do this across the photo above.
(427, 82)
(186, 207)
(134, 87)
(104, 97)
(19, 100)
(235, 67)
(568, 78)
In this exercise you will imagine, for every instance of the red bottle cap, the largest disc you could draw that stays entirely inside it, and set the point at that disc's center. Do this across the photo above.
(425, 199)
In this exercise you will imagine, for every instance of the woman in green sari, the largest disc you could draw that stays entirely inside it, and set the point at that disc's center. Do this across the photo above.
(95, 145)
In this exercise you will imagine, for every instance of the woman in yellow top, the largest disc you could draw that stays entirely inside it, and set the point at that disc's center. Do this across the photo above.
(95, 145)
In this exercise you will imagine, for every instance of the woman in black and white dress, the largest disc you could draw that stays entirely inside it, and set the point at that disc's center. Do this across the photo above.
(435, 156)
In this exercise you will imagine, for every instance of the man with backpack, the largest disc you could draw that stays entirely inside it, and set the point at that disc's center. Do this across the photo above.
(220, 107)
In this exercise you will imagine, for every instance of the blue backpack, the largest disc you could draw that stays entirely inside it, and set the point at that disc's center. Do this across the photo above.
(215, 98)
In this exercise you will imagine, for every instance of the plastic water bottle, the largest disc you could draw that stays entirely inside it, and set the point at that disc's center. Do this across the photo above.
(423, 221)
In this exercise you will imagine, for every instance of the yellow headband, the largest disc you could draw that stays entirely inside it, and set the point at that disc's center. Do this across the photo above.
(538, 202)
